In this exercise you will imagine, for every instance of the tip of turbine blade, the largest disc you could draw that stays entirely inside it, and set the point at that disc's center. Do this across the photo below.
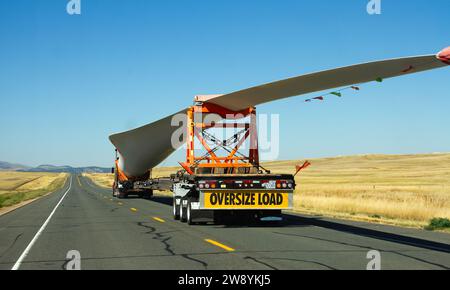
(444, 55)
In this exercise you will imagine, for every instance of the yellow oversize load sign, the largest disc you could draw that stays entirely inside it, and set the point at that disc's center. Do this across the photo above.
(246, 200)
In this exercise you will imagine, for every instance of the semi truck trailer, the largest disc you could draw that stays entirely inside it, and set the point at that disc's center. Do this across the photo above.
(235, 184)
(212, 187)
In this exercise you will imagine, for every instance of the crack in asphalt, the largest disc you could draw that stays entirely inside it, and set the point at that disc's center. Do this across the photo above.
(51, 262)
(164, 239)
(304, 261)
(367, 248)
(64, 265)
(187, 256)
(12, 244)
(167, 246)
(260, 262)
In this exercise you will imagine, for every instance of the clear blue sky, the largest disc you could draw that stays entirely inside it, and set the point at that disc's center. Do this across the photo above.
(67, 82)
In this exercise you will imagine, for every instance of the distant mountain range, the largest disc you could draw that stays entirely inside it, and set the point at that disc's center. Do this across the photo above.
(12, 167)
(6, 166)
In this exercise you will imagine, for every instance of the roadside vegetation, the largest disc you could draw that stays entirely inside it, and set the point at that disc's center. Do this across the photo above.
(438, 224)
(17, 187)
(101, 179)
(406, 190)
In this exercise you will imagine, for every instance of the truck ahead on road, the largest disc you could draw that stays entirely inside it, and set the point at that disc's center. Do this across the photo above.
(212, 187)
(236, 184)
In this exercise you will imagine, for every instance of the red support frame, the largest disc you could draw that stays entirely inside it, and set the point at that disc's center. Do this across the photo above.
(211, 162)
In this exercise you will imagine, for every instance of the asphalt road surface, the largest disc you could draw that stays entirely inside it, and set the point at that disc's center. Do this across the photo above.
(141, 234)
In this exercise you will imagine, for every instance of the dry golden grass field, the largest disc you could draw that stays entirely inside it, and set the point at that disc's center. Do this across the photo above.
(407, 190)
(16, 187)
(101, 179)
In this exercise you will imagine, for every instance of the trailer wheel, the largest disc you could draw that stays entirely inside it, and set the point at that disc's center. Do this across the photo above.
(189, 217)
(183, 210)
(121, 193)
(146, 194)
(218, 217)
(176, 209)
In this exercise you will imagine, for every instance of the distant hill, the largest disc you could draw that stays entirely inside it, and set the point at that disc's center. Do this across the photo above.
(67, 169)
(5, 166)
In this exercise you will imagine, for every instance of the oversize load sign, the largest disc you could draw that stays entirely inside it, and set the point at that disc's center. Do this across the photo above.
(246, 200)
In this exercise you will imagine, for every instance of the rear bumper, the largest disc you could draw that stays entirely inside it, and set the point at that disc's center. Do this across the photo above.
(246, 200)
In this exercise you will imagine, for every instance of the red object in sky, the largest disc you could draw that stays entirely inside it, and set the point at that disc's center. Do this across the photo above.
(299, 168)
(318, 98)
(355, 88)
(444, 55)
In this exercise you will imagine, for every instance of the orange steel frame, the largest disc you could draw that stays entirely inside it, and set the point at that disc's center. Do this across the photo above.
(195, 129)
(120, 175)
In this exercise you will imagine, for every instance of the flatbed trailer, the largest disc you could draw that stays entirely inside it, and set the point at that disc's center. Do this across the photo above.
(213, 188)
(206, 198)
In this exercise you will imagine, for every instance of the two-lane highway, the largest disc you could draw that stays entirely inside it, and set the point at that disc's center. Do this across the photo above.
(141, 234)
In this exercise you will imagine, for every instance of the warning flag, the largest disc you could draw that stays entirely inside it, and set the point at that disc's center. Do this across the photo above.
(337, 94)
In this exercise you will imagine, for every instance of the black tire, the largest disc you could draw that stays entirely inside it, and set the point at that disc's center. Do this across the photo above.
(148, 194)
(176, 209)
(189, 217)
(122, 195)
(183, 209)
(218, 218)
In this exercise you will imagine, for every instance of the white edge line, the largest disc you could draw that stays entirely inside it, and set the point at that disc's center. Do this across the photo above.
(30, 245)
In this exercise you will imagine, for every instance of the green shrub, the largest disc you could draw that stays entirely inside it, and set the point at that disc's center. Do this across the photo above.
(438, 224)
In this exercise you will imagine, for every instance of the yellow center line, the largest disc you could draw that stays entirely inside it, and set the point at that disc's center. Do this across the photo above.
(217, 244)
(79, 183)
(133, 209)
(159, 219)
